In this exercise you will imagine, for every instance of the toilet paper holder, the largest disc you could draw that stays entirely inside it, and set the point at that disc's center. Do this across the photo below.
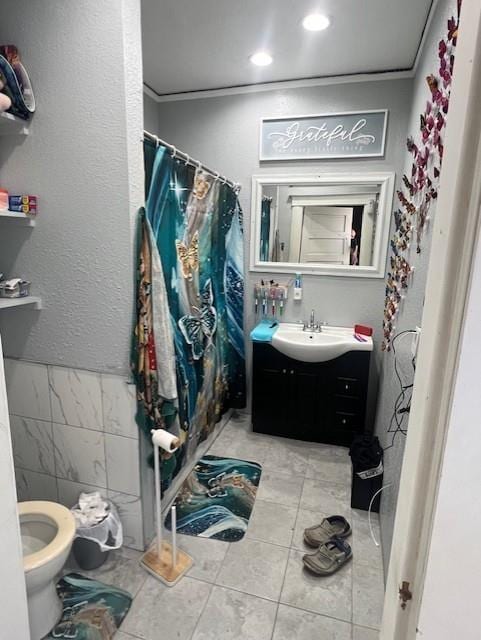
(164, 560)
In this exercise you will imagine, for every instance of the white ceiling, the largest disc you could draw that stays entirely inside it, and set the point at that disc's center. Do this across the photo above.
(192, 45)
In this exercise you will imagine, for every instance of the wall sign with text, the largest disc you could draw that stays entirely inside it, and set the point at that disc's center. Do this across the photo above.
(335, 135)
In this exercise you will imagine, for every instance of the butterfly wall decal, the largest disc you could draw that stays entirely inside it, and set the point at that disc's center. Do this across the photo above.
(188, 256)
(409, 206)
(200, 326)
(408, 185)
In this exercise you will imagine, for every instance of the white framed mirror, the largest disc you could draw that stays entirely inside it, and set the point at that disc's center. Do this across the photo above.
(323, 223)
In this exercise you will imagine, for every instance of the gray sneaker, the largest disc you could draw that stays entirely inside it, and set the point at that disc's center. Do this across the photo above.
(329, 527)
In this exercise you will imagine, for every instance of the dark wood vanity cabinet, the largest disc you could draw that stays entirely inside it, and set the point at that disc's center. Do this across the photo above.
(318, 402)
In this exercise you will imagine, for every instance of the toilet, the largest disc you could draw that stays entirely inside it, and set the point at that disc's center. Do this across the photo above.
(47, 532)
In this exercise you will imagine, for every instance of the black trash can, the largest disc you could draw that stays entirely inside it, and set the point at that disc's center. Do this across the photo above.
(367, 472)
(88, 554)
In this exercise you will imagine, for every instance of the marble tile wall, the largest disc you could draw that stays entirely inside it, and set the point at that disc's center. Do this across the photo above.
(73, 431)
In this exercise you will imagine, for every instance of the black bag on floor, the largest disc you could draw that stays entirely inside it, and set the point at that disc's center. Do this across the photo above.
(367, 472)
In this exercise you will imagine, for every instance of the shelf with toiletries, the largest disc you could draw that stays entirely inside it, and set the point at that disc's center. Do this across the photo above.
(17, 100)
(9, 303)
(15, 292)
(21, 208)
(17, 104)
(18, 217)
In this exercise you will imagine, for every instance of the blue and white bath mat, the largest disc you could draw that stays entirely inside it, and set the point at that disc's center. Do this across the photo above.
(217, 498)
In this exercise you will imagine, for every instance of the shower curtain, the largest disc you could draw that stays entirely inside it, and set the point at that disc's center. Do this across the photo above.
(265, 228)
(189, 342)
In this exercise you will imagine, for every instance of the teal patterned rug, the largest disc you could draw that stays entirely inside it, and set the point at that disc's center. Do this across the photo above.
(217, 498)
(91, 610)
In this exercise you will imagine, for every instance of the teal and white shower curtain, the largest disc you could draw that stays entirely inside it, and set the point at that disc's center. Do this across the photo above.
(191, 275)
(265, 228)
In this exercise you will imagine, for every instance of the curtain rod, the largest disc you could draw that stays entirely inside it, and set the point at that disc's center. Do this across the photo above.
(176, 153)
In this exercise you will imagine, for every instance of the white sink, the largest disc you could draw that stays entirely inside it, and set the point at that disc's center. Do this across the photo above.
(309, 346)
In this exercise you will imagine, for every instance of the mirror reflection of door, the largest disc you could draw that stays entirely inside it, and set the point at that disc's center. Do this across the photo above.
(325, 235)
(337, 232)
(331, 224)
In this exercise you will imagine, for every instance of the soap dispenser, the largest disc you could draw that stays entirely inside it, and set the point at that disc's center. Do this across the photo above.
(298, 287)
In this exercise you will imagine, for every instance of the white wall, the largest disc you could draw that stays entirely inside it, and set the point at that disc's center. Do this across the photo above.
(450, 605)
(13, 609)
(411, 310)
(223, 132)
(82, 158)
(151, 114)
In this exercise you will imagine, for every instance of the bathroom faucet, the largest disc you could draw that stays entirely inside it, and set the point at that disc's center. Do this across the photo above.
(312, 326)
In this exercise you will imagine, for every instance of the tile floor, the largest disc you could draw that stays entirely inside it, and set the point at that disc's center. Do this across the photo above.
(256, 589)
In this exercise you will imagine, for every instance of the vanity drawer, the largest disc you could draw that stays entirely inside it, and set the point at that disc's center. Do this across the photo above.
(346, 420)
(350, 387)
(346, 404)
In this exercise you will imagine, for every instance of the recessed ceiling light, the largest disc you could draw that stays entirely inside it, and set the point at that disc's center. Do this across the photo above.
(315, 22)
(261, 58)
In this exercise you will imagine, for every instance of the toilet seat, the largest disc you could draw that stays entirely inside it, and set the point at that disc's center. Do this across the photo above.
(62, 519)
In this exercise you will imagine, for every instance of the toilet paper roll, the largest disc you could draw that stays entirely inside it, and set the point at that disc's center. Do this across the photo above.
(165, 440)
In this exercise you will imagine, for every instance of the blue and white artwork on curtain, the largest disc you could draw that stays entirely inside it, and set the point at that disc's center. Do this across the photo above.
(196, 230)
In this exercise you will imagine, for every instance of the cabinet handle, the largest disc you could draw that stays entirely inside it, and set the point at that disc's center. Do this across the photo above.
(292, 371)
(284, 371)
(346, 387)
(344, 421)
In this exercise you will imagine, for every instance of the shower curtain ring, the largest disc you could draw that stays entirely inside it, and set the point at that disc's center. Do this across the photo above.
(217, 176)
(174, 151)
(187, 159)
(199, 165)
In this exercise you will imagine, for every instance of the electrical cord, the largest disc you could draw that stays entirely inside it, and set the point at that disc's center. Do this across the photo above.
(370, 510)
(402, 404)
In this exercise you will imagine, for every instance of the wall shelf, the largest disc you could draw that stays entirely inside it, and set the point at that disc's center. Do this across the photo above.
(8, 303)
(18, 217)
(11, 125)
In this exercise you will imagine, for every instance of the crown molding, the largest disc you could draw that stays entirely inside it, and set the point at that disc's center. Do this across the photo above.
(276, 86)
(422, 42)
